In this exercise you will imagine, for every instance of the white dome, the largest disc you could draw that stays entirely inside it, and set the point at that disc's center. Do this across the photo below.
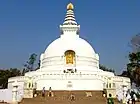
(86, 58)
(78, 45)
(69, 40)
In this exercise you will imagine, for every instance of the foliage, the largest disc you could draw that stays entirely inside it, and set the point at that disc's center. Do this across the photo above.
(29, 66)
(13, 72)
(133, 67)
(106, 69)
(137, 95)
(38, 65)
(135, 43)
(24, 71)
(5, 74)
(125, 74)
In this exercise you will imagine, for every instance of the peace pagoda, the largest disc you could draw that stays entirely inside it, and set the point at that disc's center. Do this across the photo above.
(70, 64)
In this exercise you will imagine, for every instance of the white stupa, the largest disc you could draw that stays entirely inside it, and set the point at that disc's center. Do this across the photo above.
(70, 63)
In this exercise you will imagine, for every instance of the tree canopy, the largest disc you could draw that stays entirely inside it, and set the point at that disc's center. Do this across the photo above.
(104, 68)
(29, 65)
(13, 72)
(133, 67)
(5, 74)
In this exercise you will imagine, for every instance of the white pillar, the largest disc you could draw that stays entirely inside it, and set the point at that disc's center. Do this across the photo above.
(124, 94)
(14, 94)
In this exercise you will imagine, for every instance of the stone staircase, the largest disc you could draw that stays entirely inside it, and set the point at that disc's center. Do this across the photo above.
(63, 97)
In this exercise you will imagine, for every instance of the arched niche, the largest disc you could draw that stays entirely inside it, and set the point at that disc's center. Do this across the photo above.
(69, 57)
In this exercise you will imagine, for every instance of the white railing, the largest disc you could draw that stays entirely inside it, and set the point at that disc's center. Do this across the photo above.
(69, 76)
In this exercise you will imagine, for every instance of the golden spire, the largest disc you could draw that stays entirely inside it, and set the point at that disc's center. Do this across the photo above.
(70, 6)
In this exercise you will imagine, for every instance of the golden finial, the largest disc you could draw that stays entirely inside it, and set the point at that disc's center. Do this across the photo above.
(70, 6)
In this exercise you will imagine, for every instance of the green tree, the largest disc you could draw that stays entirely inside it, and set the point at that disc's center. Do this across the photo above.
(5, 74)
(104, 68)
(30, 63)
(38, 65)
(133, 67)
(124, 74)
(24, 70)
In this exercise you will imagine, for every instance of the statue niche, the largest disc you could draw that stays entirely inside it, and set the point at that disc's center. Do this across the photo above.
(70, 57)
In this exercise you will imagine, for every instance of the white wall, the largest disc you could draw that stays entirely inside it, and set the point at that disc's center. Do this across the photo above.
(6, 95)
(19, 81)
(122, 81)
(76, 84)
(79, 81)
